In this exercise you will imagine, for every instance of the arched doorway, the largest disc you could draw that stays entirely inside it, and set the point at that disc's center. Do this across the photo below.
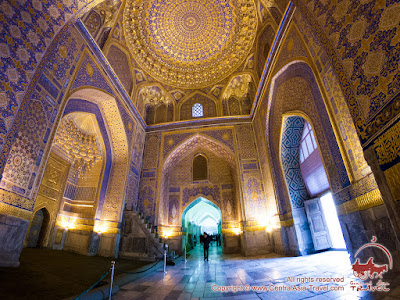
(183, 181)
(295, 91)
(89, 148)
(38, 229)
(198, 217)
(314, 213)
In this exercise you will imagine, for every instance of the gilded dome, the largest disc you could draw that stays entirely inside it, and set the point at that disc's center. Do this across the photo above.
(190, 43)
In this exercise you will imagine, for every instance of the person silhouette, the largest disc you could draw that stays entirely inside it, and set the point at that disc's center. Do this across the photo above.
(206, 244)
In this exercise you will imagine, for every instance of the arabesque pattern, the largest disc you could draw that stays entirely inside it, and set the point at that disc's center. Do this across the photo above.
(192, 43)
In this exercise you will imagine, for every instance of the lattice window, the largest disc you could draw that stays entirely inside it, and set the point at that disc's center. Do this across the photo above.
(308, 143)
(197, 110)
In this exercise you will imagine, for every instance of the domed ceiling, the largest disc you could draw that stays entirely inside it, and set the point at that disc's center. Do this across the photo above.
(190, 43)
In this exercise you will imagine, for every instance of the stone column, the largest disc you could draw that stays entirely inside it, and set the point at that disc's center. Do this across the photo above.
(387, 197)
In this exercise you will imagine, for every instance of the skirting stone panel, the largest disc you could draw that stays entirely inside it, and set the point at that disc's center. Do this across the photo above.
(12, 235)
(109, 245)
(77, 241)
(231, 243)
(359, 228)
(256, 242)
(175, 244)
(286, 242)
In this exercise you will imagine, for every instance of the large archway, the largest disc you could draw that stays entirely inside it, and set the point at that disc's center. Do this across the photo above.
(200, 216)
(314, 214)
(91, 145)
(81, 142)
(295, 92)
(178, 189)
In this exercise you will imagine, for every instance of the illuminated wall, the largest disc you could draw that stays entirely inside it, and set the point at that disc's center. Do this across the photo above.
(234, 183)
(317, 96)
(67, 65)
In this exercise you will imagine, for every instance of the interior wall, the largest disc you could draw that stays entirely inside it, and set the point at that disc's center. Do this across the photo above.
(370, 86)
(178, 187)
(220, 178)
(43, 107)
(50, 193)
(358, 182)
(379, 81)
(120, 61)
(209, 107)
(253, 211)
(37, 90)
(264, 44)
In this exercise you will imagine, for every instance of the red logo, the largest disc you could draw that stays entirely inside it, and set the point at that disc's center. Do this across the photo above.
(363, 271)
(372, 270)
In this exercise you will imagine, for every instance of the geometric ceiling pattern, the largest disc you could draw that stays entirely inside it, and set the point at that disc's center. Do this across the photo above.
(190, 43)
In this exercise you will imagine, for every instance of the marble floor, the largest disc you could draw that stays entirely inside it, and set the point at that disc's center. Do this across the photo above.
(263, 277)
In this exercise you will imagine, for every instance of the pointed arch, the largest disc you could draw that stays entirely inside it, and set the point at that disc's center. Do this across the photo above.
(154, 113)
(192, 204)
(212, 193)
(187, 145)
(110, 207)
(264, 40)
(309, 102)
(210, 105)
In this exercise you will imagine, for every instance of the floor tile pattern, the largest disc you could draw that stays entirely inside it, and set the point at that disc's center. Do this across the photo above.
(196, 279)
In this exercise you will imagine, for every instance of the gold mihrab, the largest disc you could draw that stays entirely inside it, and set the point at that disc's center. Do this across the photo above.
(190, 43)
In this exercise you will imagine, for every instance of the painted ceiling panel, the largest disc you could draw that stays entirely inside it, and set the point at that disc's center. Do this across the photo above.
(190, 43)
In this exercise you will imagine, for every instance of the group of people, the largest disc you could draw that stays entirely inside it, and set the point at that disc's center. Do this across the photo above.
(206, 240)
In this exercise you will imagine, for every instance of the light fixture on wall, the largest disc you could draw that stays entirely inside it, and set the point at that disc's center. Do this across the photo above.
(100, 227)
(67, 223)
(269, 222)
(236, 231)
(167, 232)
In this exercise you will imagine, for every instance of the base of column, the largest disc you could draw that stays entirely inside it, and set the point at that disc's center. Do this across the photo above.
(12, 235)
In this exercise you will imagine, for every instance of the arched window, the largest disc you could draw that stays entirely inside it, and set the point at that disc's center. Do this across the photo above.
(308, 143)
(197, 110)
(200, 168)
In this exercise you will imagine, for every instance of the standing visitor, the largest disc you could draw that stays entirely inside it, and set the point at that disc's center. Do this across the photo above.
(206, 243)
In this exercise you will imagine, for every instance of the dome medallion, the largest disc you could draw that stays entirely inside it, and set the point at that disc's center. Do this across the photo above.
(190, 43)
